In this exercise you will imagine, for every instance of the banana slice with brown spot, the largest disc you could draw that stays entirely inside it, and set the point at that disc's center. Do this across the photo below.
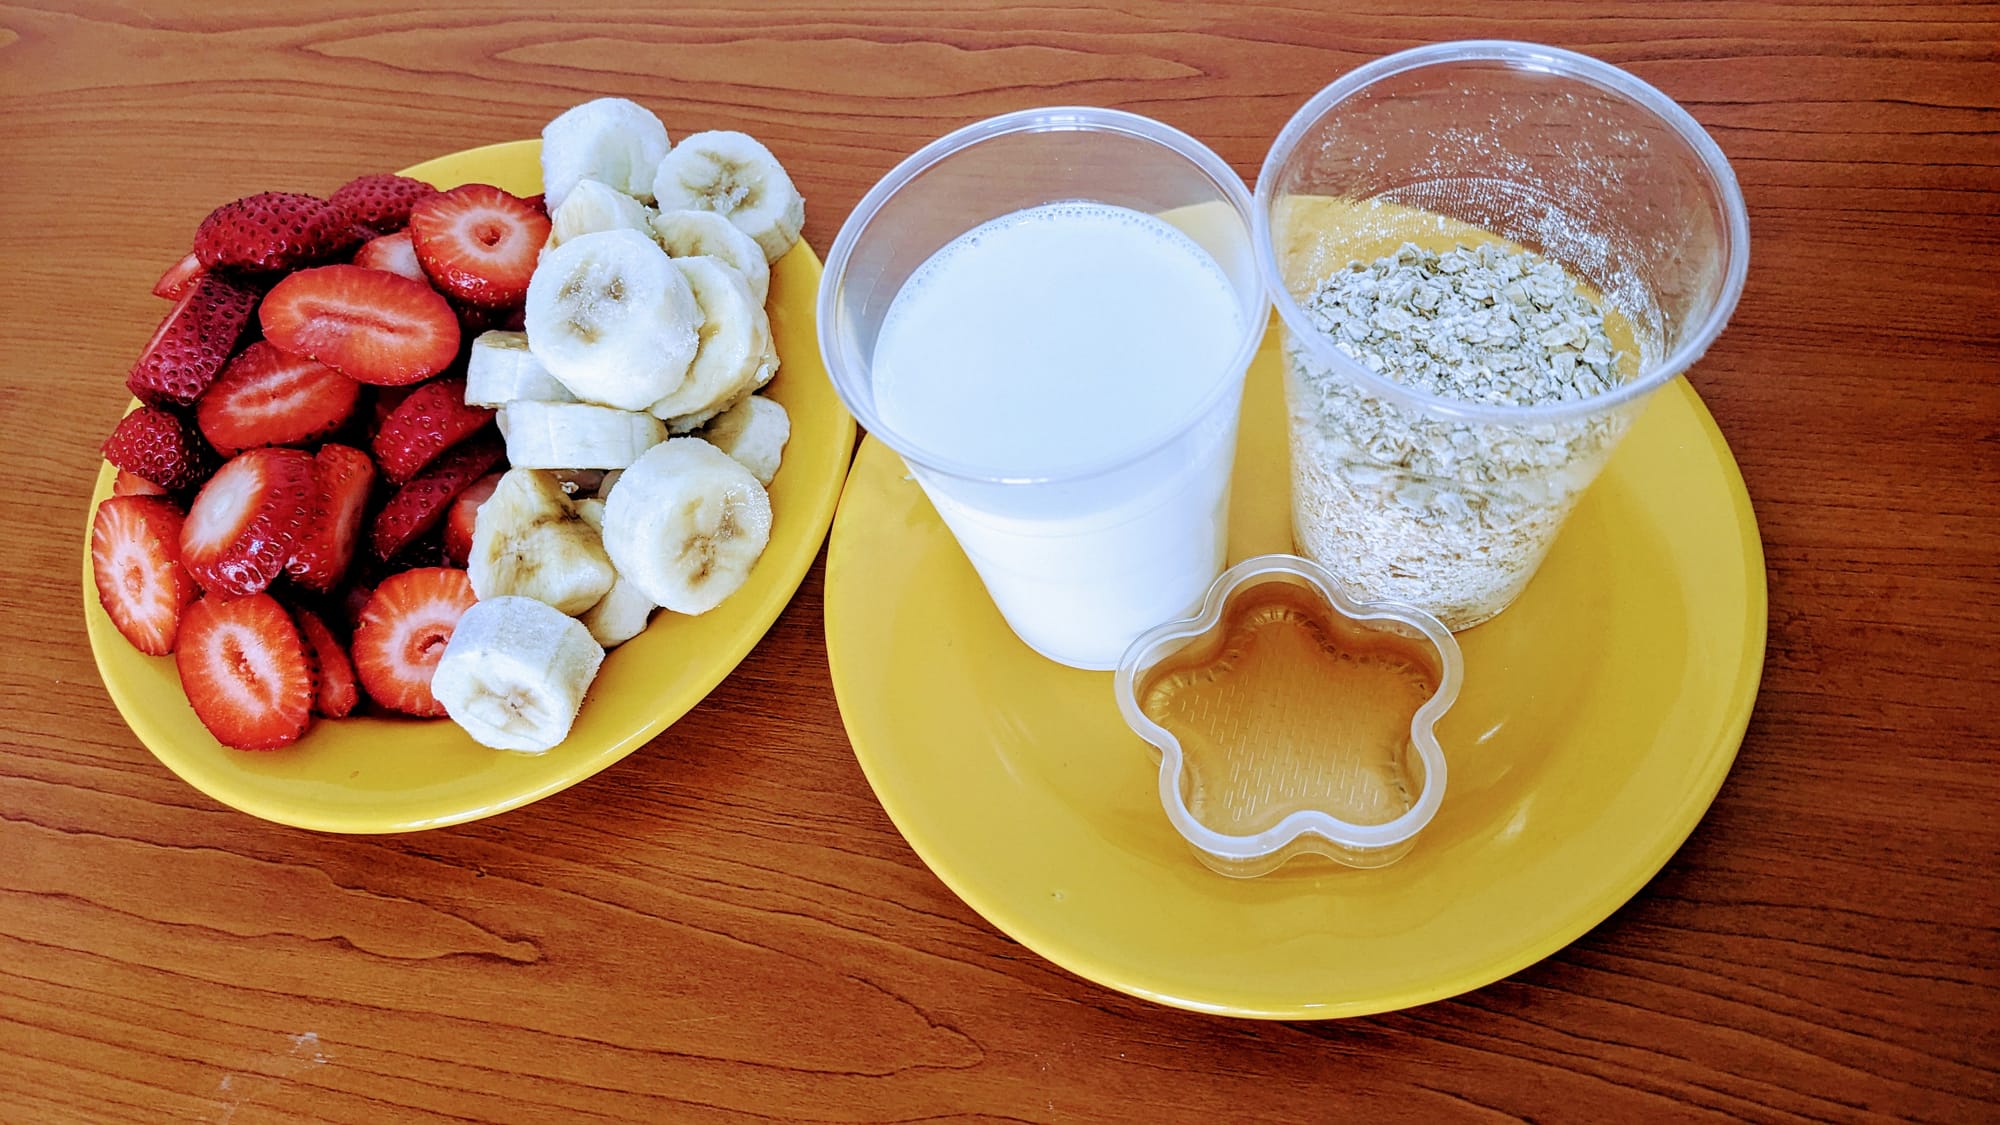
(686, 524)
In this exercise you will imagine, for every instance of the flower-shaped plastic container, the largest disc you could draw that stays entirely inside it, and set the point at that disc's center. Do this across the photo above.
(1291, 719)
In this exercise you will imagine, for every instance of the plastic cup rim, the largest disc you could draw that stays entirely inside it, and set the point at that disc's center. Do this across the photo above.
(1551, 60)
(1043, 119)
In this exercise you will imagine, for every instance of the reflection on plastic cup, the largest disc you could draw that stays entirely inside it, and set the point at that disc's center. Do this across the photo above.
(1048, 315)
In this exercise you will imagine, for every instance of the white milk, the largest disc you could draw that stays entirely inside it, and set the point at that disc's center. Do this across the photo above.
(1047, 341)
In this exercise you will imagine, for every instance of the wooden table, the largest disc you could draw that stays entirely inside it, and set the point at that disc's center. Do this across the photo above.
(666, 942)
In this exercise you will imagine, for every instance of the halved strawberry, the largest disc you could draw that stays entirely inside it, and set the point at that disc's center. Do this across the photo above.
(425, 551)
(381, 201)
(194, 341)
(270, 232)
(271, 397)
(474, 319)
(353, 600)
(386, 400)
(463, 516)
(132, 484)
(246, 520)
(431, 420)
(335, 689)
(342, 476)
(135, 557)
(161, 447)
(370, 325)
(403, 631)
(479, 244)
(393, 253)
(419, 505)
(245, 671)
(178, 277)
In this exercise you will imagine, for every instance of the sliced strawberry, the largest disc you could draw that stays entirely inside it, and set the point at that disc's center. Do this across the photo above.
(380, 202)
(244, 523)
(335, 688)
(479, 244)
(370, 325)
(393, 253)
(161, 447)
(433, 419)
(473, 319)
(419, 505)
(387, 399)
(464, 514)
(271, 397)
(178, 277)
(353, 600)
(539, 202)
(132, 484)
(425, 550)
(270, 232)
(193, 342)
(342, 477)
(135, 557)
(403, 631)
(245, 671)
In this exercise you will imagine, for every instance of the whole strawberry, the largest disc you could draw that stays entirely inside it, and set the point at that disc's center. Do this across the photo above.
(161, 447)
(380, 202)
(272, 231)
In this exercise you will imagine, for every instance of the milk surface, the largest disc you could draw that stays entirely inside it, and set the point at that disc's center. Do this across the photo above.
(1048, 341)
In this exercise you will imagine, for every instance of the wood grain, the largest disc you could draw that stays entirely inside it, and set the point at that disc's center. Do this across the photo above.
(725, 925)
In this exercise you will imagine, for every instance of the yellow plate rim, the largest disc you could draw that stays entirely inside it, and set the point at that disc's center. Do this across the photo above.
(1578, 917)
(793, 558)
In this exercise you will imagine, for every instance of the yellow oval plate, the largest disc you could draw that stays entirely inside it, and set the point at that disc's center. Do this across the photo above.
(389, 775)
(1600, 715)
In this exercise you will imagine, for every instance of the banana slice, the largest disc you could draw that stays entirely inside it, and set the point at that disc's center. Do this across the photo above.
(692, 234)
(576, 435)
(528, 541)
(688, 424)
(610, 140)
(592, 206)
(500, 369)
(686, 524)
(735, 337)
(682, 424)
(736, 177)
(612, 318)
(515, 672)
(754, 432)
(622, 613)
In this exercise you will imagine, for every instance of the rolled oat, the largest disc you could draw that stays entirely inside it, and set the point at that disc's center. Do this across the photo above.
(1414, 506)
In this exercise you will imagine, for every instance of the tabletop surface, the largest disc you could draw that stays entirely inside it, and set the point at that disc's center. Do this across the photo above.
(670, 940)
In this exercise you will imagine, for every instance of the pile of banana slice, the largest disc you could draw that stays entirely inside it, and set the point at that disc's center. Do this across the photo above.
(647, 341)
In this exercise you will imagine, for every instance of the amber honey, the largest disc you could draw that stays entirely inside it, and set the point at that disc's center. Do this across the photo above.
(1288, 704)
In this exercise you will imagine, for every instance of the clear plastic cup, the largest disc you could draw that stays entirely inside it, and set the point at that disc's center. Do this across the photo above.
(1081, 562)
(1441, 503)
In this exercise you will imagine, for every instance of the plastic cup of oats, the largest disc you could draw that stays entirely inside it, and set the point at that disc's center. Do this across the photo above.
(1487, 256)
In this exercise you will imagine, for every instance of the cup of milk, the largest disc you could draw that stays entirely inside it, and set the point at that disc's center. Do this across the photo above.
(1048, 315)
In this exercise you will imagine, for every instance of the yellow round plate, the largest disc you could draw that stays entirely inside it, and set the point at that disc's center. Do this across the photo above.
(1599, 716)
(389, 775)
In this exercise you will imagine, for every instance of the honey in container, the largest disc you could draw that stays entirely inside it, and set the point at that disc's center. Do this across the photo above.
(1283, 698)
